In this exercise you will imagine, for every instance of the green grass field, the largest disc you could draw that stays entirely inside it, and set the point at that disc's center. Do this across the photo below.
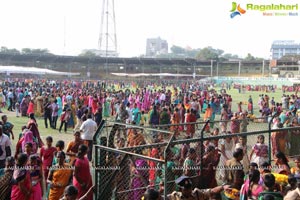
(241, 97)
(21, 121)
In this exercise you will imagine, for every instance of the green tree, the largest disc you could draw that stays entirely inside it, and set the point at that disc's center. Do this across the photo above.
(192, 53)
(209, 53)
(39, 51)
(34, 51)
(88, 54)
(259, 59)
(4, 49)
(249, 57)
(7, 50)
(230, 56)
(15, 51)
(26, 51)
(177, 50)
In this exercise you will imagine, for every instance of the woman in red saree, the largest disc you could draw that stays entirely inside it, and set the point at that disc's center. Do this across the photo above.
(181, 110)
(210, 160)
(36, 176)
(94, 104)
(30, 108)
(207, 116)
(82, 178)
(190, 128)
(153, 166)
(22, 188)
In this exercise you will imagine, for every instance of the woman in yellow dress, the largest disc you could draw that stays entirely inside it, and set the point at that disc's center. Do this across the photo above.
(175, 120)
(60, 177)
(39, 100)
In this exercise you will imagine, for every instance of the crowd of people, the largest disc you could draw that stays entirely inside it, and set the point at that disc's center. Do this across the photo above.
(36, 168)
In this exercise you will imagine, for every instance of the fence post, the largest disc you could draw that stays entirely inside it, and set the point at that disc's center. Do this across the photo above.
(98, 132)
(101, 162)
(166, 165)
(96, 173)
(270, 132)
(201, 149)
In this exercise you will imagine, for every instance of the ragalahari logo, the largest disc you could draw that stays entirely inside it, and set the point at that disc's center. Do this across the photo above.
(236, 10)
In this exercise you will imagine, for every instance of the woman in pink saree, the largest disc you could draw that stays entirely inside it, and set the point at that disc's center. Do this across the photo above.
(139, 180)
(33, 127)
(28, 137)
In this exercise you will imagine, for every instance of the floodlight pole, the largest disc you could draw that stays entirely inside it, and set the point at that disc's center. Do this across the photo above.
(239, 73)
(298, 67)
(263, 68)
(194, 74)
(211, 67)
(217, 68)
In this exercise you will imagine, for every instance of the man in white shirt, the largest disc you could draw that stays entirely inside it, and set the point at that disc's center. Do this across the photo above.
(5, 150)
(30, 93)
(162, 97)
(88, 129)
(129, 110)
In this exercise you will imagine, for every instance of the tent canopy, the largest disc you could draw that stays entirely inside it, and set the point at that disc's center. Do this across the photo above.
(154, 74)
(33, 70)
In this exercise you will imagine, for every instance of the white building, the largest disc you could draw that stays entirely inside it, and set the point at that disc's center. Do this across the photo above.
(156, 46)
(280, 48)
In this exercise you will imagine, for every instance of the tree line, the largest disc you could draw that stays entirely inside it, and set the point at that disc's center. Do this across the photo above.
(25, 51)
(207, 53)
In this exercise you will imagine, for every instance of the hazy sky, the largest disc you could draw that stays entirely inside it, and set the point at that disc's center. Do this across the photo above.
(194, 23)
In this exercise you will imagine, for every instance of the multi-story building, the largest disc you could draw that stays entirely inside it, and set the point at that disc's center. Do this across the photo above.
(156, 46)
(281, 48)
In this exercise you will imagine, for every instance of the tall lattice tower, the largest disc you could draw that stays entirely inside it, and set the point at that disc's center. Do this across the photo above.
(108, 33)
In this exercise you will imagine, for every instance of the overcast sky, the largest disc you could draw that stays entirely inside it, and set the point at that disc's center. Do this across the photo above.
(68, 26)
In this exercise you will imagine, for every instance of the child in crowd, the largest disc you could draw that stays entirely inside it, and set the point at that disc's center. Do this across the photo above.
(242, 144)
(296, 168)
(214, 143)
(60, 145)
(143, 118)
(260, 151)
(71, 193)
(17, 109)
(20, 141)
